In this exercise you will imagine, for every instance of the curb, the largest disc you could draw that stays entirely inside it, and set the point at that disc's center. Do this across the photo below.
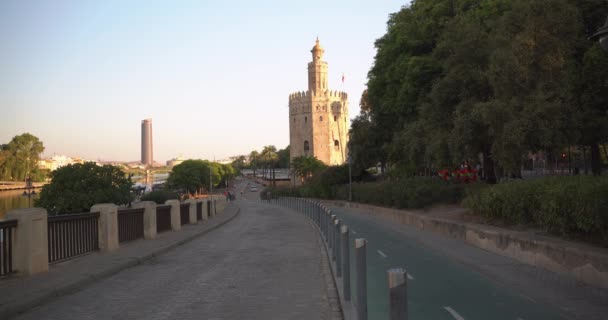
(16, 309)
(333, 293)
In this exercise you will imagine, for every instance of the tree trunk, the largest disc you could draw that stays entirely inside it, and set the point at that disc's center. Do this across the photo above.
(596, 161)
(488, 168)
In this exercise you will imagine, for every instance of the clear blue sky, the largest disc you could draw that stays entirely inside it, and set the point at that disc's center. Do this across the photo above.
(213, 75)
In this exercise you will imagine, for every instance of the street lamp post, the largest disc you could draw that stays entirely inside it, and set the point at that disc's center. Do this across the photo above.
(29, 191)
(602, 36)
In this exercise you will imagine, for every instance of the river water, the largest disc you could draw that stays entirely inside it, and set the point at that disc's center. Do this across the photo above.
(13, 199)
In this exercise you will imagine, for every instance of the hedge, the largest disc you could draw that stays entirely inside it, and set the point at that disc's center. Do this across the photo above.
(404, 193)
(567, 206)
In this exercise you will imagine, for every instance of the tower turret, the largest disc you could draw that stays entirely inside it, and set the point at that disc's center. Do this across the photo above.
(317, 70)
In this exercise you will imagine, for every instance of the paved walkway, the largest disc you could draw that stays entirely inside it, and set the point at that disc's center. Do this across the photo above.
(265, 264)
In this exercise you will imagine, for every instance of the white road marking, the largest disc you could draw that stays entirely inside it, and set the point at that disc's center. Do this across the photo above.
(353, 231)
(453, 313)
(518, 318)
(381, 254)
(410, 277)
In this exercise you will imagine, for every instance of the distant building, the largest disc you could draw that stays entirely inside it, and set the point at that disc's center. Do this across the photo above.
(146, 142)
(58, 161)
(175, 161)
(318, 117)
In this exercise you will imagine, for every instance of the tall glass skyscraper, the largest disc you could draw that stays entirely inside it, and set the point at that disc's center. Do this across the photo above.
(146, 142)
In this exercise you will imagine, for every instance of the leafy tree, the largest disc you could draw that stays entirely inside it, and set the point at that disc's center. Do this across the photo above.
(76, 188)
(454, 80)
(239, 163)
(19, 158)
(254, 160)
(283, 157)
(306, 166)
(192, 176)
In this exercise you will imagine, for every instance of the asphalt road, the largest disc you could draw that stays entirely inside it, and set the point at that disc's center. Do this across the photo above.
(451, 280)
(265, 264)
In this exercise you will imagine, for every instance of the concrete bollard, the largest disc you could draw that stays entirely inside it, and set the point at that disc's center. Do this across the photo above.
(397, 286)
(332, 237)
(149, 218)
(30, 254)
(107, 226)
(338, 249)
(205, 211)
(192, 212)
(361, 278)
(175, 219)
(344, 241)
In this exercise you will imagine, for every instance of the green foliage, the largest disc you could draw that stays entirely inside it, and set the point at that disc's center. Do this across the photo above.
(453, 79)
(283, 157)
(239, 163)
(416, 192)
(77, 187)
(324, 184)
(406, 193)
(19, 158)
(567, 206)
(306, 166)
(160, 196)
(192, 176)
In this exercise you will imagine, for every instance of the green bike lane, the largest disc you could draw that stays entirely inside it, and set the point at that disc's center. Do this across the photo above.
(438, 286)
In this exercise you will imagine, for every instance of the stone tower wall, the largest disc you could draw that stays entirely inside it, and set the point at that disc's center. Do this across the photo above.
(319, 116)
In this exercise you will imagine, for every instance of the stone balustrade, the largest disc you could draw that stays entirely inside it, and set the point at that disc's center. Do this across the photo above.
(30, 249)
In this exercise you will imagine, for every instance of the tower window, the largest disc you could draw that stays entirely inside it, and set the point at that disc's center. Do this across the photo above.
(321, 118)
(336, 145)
(335, 118)
(305, 119)
(294, 120)
(306, 146)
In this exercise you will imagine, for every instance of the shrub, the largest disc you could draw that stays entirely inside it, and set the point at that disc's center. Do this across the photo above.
(160, 196)
(569, 206)
(76, 187)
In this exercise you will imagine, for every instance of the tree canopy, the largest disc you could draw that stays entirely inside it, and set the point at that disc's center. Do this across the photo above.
(192, 176)
(75, 188)
(19, 158)
(306, 166)
(453, 79)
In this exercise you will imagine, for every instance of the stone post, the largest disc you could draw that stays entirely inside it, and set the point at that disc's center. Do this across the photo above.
(345, 263)
(192, 213)
(30, 254)
(149, 218)
(175, 218)
(361, 278)
(205, 211)
(397, 286)
(338, 248)
(107, 226)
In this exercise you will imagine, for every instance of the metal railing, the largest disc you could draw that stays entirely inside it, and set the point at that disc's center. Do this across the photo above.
(184, 213)
(163, 218)
(130, 224)
(199, 211)
(72, 235)
(6, 246)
